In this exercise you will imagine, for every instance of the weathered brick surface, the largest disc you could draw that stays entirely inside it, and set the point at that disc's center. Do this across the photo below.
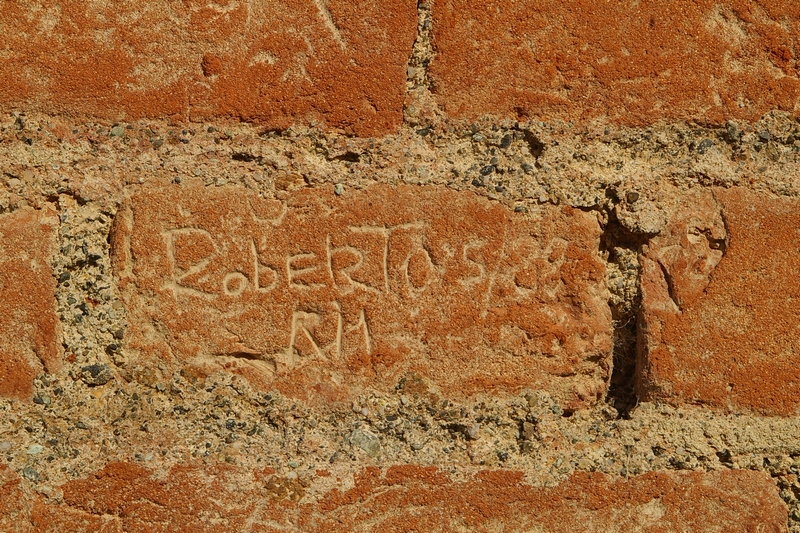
(316, 294)
(275, 62)
(627, 62)
(721, 299)
(29, 340)
(194, 499)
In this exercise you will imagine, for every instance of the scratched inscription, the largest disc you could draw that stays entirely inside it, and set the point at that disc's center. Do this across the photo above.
(316, 289)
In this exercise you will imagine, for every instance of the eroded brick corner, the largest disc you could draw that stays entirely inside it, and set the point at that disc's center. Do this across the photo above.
(29, 344)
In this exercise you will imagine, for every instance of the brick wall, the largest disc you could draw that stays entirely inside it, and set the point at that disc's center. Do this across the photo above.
(360, 266)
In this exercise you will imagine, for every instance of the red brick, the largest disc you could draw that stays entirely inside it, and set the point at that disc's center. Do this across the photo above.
(721, 328)
(359, 290)
(627, 62)
(194, 499)
(275, 62)
(29, 343)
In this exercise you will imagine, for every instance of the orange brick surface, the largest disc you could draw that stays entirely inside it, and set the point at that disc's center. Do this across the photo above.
(626, 62)
(317, 294)
(340, 63)
(195, 499)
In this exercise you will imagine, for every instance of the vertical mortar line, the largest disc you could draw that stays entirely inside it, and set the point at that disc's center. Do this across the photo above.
(620, 244)
(422, 50)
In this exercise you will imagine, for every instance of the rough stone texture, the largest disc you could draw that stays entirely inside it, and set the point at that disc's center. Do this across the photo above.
(126, 497)
(337, 62)
(720, 298)
(29, 341)
(370, 309)
(317, 293)
(626, 62)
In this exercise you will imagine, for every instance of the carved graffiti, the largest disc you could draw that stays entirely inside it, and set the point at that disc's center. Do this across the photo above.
(375, 261)
(325, 288)
(401, 258)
